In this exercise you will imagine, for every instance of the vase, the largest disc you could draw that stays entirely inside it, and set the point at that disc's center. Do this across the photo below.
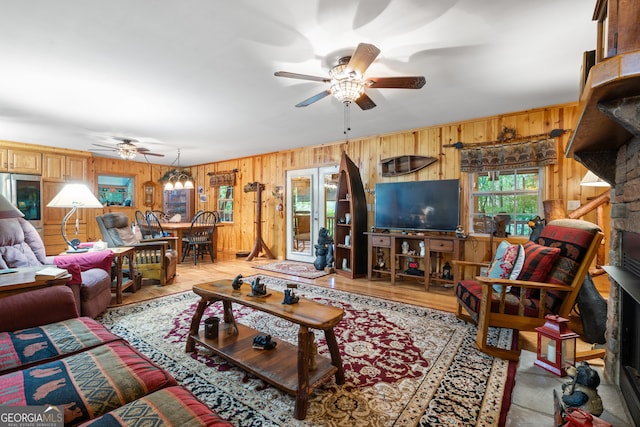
(347, 240)
(345, 266)
(347, 218)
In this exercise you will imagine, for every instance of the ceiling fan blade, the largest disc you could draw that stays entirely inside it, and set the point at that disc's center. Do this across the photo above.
(148, 153)
(407, 82)
(106, 146)
(362, 57)
(301, 76)
(314, 98)
(365, 102)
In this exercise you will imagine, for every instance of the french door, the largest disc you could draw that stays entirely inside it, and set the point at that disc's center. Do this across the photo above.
(311, 200)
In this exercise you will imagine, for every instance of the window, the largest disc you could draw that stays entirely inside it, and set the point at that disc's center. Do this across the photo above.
(514, 193)
(115, 190)
(225, 203)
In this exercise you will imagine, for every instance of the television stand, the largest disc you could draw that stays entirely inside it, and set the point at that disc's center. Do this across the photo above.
(396, 263)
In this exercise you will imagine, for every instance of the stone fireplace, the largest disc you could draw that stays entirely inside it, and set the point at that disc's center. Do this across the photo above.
(607, 141)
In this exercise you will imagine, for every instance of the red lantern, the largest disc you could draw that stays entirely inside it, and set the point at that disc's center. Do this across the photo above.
(556, 345)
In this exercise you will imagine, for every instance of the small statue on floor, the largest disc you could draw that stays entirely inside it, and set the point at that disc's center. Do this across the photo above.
(290, 297)
(258, 289)
(324, 252)
(236, 284)
(263, 342)
(581, 392)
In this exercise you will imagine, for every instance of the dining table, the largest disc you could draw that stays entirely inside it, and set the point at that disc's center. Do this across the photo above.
(179, 230)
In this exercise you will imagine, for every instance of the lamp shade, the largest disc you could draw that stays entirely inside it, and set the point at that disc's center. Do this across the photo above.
(592, 180)
(75, 196)
(7, 210)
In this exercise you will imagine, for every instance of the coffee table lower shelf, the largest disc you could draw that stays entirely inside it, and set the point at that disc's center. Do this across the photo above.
(278, 366)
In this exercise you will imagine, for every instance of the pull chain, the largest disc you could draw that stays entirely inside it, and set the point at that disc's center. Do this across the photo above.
(347, 120)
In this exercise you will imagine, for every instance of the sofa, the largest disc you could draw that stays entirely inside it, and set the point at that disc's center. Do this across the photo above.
(22, 246)
(49, 356)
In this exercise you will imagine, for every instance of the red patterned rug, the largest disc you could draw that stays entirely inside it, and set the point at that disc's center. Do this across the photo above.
(294, 268)
(404, 365)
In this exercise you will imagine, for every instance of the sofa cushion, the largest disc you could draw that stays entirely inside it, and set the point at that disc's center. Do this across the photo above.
(27, 347)
(46, 305)
(171, 406)
(86, 384)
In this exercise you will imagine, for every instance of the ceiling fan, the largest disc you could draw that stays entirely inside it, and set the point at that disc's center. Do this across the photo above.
(126, 149)
(348, 82)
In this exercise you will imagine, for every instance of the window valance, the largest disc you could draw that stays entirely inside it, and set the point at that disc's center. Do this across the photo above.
(509, 156)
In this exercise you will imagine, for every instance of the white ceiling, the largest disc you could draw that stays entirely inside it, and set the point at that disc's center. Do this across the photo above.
(198, 74)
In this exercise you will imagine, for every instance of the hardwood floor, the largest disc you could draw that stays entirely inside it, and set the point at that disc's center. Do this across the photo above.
(227, 266)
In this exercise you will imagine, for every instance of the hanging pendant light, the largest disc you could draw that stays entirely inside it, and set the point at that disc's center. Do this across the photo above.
(177, 179)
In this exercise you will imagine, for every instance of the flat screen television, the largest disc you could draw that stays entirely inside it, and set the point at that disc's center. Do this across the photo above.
(418, 205)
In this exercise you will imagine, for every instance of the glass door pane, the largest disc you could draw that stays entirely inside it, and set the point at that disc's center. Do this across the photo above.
(311, 196)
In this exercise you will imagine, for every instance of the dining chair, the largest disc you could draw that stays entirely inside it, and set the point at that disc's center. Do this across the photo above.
(199, 237)
(155, 227)
(143, 225)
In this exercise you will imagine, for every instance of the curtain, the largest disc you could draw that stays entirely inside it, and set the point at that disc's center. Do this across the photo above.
(509, 156)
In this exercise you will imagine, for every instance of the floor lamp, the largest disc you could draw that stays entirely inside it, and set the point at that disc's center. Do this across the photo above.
(73, 196)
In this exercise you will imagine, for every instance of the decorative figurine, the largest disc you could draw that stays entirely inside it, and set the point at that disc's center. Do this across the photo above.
(236, 284)
(263, 342)
(324, 250)
(582, 391)
(460, 232)
(290, 297)
(405, 247)
(421, 244)
(258, 289)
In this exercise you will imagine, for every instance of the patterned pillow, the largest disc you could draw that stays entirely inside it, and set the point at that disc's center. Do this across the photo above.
(507, 262)
(538, 261)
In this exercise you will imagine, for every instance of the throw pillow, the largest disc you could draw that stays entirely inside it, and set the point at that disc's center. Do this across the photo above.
(507, 263)
(538, 261)
(127, 236)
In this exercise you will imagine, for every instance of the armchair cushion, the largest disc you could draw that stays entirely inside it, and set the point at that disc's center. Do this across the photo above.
(572, 238)
(469, 293)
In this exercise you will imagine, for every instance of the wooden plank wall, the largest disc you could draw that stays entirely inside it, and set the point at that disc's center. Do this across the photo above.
(562, 180)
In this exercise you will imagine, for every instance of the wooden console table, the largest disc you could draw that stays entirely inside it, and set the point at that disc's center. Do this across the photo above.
(276, 366)
(398, 262)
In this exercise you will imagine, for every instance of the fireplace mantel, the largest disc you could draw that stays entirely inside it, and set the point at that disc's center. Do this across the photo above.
(597, 136)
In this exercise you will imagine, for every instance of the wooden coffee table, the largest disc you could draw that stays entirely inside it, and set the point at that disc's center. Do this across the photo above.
(287, 366)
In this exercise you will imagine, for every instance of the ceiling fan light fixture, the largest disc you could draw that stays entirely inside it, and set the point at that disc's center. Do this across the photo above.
(127, 154)
(346, 85)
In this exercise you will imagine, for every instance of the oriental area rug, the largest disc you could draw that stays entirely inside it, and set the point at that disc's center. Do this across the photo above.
(404, 365)
(294, 268)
